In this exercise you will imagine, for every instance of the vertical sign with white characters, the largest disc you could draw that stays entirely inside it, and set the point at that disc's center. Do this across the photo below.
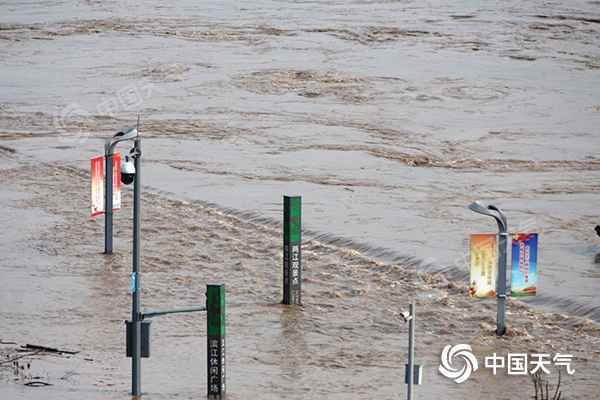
(292, 259)
(97, 174)
(484, 265)
(215, 338)
(524, 275)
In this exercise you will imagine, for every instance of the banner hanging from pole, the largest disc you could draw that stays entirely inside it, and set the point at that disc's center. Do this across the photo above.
(524, 274)
(484, 265)
(116, 181)
(97, 173)
(98, 177)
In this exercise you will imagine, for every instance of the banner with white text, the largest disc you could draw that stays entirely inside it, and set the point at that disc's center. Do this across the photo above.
(524, 275)
(484, 261)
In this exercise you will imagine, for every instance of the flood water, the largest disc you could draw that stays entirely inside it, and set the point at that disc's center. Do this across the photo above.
(388, 117)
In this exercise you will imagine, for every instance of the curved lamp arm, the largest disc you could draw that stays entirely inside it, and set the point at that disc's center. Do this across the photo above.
(501, 219)
(128, 134)
(498, 215)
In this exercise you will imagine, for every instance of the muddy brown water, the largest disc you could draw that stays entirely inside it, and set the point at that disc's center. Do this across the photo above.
(387, 117)
(347, 341)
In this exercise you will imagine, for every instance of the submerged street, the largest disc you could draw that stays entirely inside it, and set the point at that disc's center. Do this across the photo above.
(388, 117)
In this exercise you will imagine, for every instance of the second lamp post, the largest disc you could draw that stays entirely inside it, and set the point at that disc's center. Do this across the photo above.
(498, 215)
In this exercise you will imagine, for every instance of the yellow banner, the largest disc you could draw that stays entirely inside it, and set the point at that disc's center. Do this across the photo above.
(484, 261)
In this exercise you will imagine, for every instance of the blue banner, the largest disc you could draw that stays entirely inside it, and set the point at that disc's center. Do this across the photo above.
(524, 275)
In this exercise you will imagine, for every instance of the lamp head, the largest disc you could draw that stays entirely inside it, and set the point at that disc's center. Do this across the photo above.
(490, 211)
(126, 134)
(480, 208)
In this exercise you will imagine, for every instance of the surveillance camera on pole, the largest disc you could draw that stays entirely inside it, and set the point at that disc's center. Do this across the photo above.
(127, 171)
(405, 316)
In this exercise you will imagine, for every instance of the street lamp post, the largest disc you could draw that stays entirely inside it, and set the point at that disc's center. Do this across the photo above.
(138, 341)
(136, 317)
(109, 148)
(498, 215)
(108, 197)
(135, 275)
(411, 351)
(413, 373)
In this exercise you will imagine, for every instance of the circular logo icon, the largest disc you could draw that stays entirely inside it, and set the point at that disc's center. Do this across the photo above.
(71, 121)
(448, 358)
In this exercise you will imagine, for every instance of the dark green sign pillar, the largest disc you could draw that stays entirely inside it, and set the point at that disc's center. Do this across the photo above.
(215, 340)
(292, 241)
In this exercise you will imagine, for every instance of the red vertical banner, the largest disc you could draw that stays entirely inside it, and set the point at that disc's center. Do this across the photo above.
(116, 181)
(98, 183)
(97, 174)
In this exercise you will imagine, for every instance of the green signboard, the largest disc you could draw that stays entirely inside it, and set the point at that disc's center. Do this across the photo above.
(215, 339)
(292, 238)
(292, 221)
